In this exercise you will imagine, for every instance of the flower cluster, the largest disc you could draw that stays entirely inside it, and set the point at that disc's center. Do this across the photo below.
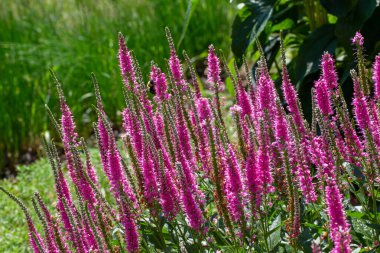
(184, 170)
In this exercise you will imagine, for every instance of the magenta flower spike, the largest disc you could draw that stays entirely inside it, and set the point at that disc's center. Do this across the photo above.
(187, 170)
(328, 71)
(103, 143)
(291, 100)
(63, 193)
(126, 65)
(35, 240)
(323, 96)
(176, 70)
(204, 110)
(168, 193)
(49, 233)
(305, 180)
(281, 127)
(322, 158)
(70, 141)
(358, 39)
(69, 138)
(114, 169)
(254, 182)
(204, 115)
(150, 180)
(159, 83)
(266, 94)
(376, 77)
(89, 238)
(159, 123)
(360, 106)
(263, 165)
(234, 187)
(90, 170)
(190, 205)
(117, 178)
(214, 70)
(192, 209)
(184, 137)
(132, 127)
(131, 234)
(174, 63)
(339, 227)
(243, 101)
(375, 123)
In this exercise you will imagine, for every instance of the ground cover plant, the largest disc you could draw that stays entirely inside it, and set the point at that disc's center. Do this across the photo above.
(191, 178)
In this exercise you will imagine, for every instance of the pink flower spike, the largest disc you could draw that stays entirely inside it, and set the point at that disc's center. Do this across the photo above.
(322, 94)
(103, 143)
(328, 71)
(150, 181)
(243, 101)
(267, 96)
(339, 227)
(126, 64)
(213, 74)
(69, 138)
(254, 181)
(360, 106)
(203, 108)
(281, 127)
(234, 187)
(159, 84)
(174, 63)
(291, 100)
(131, 234)
(376, 77)
(358, 39)
(236, 109)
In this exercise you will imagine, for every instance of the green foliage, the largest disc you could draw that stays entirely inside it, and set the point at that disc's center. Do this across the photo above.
(249, 22)
(77, 37)
(310, 27)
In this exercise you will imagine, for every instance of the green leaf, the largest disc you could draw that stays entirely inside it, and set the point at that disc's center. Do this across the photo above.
(374, 226)
(286, 24)
(313, 226)
(275, 233)
(338, 8)
(354, 214)
(192, 4)
(361, 228)
(249, 23)
(307, 61)
(305, 240)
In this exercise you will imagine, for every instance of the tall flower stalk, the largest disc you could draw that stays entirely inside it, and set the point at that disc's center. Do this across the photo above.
(188, 180)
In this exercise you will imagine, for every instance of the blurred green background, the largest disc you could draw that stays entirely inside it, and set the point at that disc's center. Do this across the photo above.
(77, 37)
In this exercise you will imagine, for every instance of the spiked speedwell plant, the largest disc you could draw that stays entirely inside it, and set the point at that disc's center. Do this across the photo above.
(183, 182)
